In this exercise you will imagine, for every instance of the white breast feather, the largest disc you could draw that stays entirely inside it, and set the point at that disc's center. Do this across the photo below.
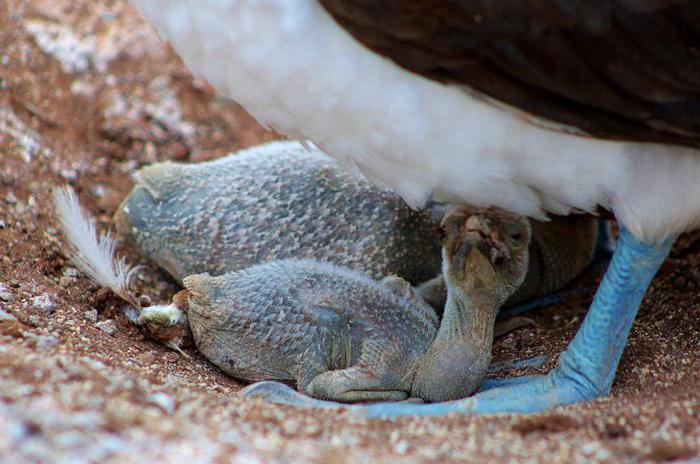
(295, 70)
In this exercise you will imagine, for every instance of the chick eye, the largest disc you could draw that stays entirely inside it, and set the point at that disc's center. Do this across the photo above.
(513, 232)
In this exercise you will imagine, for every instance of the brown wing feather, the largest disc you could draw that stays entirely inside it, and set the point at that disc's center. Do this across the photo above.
(621, 69)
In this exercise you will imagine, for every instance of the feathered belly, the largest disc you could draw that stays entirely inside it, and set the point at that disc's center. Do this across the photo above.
(295, 70)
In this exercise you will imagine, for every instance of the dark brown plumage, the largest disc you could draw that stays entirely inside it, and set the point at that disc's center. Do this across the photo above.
(619, 69)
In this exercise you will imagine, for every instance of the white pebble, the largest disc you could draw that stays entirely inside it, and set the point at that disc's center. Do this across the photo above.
(108, 326)
(91, 315)
(164, 401)
(5, 294)
(5, 316)
(44, 303)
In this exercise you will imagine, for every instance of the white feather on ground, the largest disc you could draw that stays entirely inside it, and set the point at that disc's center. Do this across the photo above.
(94, 256)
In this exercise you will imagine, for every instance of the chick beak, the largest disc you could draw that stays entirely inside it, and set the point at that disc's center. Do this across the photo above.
(478, 270)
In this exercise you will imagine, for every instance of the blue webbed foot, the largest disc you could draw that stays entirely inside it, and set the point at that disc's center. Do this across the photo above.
(520, 395)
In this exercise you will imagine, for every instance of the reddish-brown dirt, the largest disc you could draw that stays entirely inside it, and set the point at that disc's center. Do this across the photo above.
(88, 94)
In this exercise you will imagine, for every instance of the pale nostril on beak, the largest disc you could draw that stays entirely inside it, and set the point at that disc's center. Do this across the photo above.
(473, 223)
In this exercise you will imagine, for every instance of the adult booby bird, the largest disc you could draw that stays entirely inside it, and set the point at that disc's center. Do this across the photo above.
(534, 107)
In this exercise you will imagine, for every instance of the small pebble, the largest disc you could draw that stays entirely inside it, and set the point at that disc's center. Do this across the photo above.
(164, 401)
(312, 429)
(291, 426)
(98, 191)
(108, 326)
(91, 315)
(42, 341)
(71, 272)
(401, 447)
(679, 282)
(44, 303)
(695, 274)
(246, 458)
(148, 358)
(69, 174)
(5, 316)
(10, 198)
(10, 327)
(5, 294)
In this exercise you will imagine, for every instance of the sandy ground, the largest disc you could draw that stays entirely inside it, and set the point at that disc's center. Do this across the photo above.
(88, 94)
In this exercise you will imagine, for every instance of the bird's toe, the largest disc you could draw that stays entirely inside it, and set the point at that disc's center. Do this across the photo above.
(517, 395)
(279, 393)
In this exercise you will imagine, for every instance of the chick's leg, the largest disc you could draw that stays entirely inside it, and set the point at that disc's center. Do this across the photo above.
(330, 389)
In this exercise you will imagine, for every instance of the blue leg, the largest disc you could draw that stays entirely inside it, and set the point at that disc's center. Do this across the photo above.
(587, 367)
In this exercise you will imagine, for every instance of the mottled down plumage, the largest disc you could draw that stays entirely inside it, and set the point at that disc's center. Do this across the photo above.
(275, 201)
(217, 217)
(293, 320)
(319, 325)
(336, 333)
(339, 335)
